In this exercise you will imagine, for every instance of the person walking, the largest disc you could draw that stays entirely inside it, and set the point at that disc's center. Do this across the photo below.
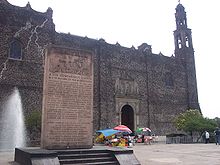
(206, 137)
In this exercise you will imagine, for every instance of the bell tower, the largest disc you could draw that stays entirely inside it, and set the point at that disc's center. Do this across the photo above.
(182, 34)
(184, 53)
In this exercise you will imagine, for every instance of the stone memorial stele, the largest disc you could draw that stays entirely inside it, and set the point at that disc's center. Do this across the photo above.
(67, 113)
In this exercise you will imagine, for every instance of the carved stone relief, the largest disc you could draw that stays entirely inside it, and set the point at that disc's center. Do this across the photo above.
(126, 87)
(75, 64)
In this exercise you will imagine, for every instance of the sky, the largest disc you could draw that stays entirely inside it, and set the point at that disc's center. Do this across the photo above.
(133, 22)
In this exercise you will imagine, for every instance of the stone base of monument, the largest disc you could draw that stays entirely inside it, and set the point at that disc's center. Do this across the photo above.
(98, 155)
(34, 156)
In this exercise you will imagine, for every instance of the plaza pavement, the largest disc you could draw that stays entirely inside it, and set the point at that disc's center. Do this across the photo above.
(160, 154)
(181, 154)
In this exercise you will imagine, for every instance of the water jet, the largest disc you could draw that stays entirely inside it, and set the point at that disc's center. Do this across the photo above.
(13, 133)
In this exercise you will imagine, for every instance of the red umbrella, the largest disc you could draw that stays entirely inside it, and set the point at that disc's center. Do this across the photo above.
(123, 128)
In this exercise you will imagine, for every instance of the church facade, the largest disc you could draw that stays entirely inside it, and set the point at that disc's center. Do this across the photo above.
(132, 86)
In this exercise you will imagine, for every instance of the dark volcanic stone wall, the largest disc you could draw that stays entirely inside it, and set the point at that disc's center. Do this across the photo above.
(166, 101)
(159, 82)
(34, 31)
(124, 63)
(159, 103)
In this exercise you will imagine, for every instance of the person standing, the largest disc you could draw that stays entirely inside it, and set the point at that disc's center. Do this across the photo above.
(217, 136)
(206, 137)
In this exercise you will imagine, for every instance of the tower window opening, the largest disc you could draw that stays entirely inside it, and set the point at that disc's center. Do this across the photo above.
(15, 50)
(168, 79)
(187, 42)
(179, 43)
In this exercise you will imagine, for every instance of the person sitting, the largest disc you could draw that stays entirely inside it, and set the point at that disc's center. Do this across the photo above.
(148, 140)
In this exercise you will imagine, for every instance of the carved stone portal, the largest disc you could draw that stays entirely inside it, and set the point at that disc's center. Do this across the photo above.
(134, 103)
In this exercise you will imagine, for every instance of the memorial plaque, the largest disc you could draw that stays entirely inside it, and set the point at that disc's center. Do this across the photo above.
(67, 99)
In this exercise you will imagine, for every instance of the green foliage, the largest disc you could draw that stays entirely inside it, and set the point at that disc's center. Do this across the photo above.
(193, 121)
(33, 121)
(217, 120)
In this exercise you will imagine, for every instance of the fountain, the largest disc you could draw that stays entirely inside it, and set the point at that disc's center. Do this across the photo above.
(12, 133)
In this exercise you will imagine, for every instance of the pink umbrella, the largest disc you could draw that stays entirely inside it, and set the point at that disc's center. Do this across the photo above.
(146, 129)
(123, 128)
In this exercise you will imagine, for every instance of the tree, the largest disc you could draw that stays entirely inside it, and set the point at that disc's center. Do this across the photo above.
(33, 124)
(193, 121)
(217, 119)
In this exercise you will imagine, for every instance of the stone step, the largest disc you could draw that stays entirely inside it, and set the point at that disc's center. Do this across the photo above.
(87, 155)
(87, 160)
(81, 151)
(97, 163)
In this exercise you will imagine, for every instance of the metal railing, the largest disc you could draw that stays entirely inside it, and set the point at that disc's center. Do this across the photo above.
(179, 139)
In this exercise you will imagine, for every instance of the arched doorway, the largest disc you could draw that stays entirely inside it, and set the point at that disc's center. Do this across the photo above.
(127, 116)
